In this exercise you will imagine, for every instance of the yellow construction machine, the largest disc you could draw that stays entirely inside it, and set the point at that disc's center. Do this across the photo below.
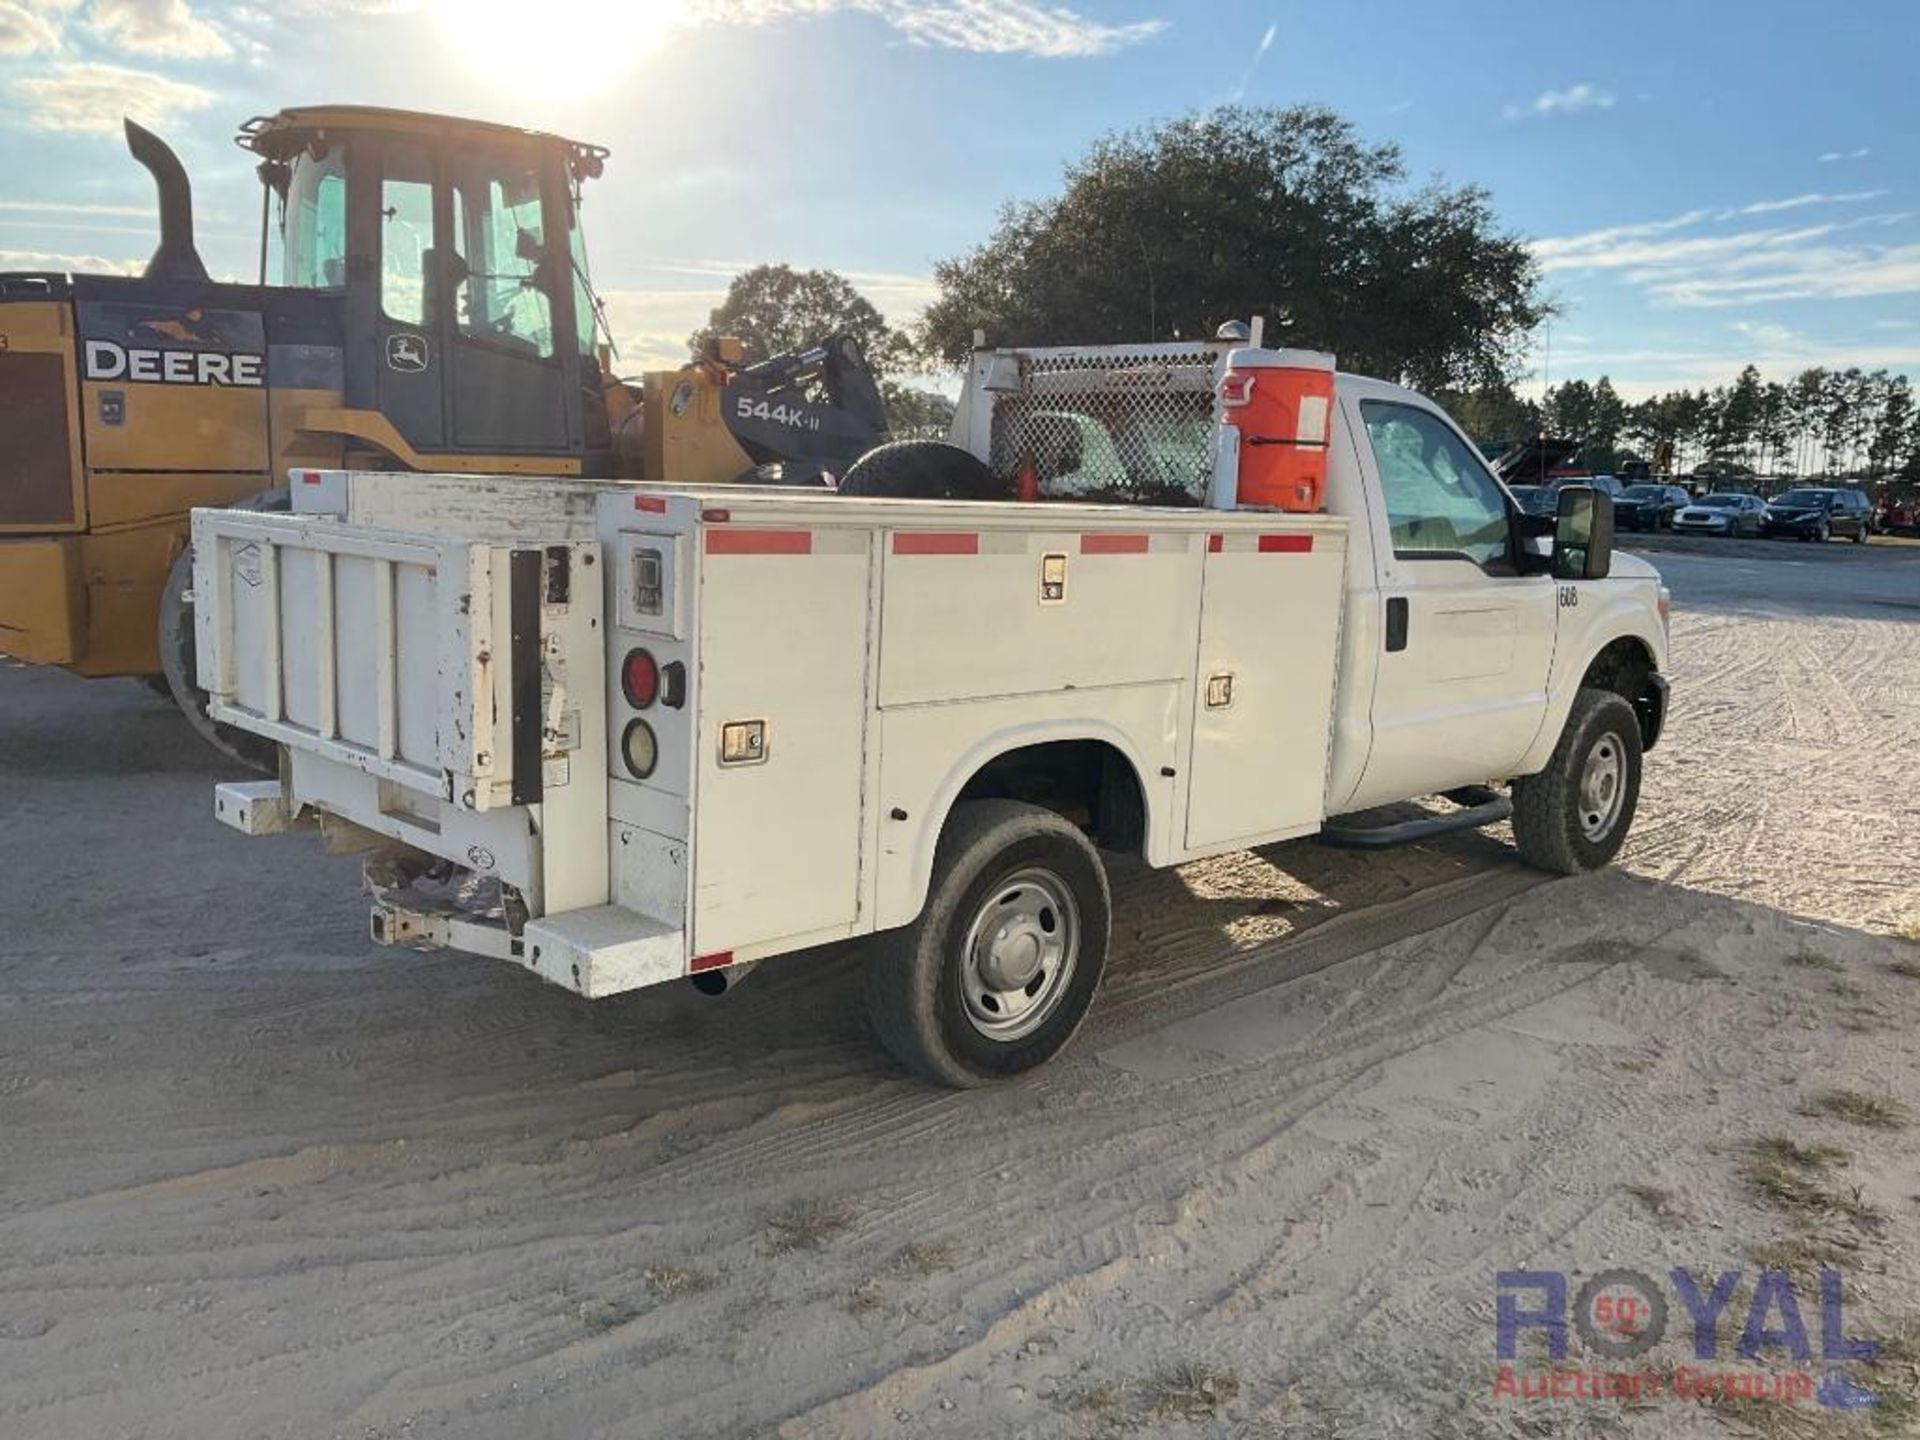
(431, 311)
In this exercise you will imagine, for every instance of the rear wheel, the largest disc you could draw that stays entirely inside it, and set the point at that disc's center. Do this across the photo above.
(1574, 815)
(1824, 533)
(923, 470)
(1003, 963)
(177, 656)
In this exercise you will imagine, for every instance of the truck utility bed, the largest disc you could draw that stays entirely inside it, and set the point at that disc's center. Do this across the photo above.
(442, 658)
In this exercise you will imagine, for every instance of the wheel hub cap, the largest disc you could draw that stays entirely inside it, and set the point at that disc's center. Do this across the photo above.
(1603, 786)
(1021, 949)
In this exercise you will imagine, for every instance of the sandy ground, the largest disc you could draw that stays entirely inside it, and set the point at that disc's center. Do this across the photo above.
(258, 1179)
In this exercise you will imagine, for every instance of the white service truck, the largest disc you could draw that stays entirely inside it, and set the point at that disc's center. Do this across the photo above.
(624, 734)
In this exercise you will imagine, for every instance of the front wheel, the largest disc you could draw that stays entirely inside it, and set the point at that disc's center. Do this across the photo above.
(1003, 963)
(1574, 815)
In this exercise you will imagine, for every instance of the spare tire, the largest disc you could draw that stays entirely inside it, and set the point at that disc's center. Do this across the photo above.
(923, 470)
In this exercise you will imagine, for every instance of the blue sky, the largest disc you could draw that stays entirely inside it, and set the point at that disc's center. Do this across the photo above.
(1706, 182)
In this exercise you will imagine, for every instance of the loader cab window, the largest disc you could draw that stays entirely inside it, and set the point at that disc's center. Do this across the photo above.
(406, 233)
(502, 295)
(313, 224)
(584, 322)
(1441, 502)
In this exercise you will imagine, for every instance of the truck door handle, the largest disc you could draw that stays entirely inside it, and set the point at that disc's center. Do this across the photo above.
(1396, 622)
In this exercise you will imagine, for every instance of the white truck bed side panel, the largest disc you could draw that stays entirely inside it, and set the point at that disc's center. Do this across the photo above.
(964, 616)
(1269, 626)
(782, 616)
(929, 752)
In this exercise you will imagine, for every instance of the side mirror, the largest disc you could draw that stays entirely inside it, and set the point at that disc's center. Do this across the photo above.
(1583, 534)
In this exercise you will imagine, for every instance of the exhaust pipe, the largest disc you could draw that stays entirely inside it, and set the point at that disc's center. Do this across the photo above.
(719, 982)
(176, 259)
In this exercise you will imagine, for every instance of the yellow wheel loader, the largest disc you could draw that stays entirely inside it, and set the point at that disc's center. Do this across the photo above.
(431, 311)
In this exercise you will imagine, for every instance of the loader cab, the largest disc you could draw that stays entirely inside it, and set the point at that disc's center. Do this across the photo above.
(455, 249)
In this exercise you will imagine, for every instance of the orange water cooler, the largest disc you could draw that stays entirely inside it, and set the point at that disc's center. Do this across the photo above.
(1281, 403)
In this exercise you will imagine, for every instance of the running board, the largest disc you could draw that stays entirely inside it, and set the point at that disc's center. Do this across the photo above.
(1478, 806)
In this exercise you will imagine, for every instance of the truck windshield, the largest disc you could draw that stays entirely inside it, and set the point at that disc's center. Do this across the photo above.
(313, 223)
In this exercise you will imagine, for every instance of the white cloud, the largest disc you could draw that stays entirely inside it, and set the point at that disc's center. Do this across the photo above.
(81, 264)
(994, 27)
(1833, 155)
(156, 27)
(89, 99)
(1686, 260)
(1570, 101)
(1253, 65)
(70, 207)
(26, 30)
(1796, 202)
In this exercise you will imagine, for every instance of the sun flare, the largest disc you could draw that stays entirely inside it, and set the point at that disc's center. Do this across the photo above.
(556, 48)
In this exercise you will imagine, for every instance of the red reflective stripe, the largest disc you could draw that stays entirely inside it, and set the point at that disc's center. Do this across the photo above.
(936, 542)
(1113, 544)
(759, 542)
(1285, 544)
(309, 477)
(1216, 543)
(653, 504)
(719, 960)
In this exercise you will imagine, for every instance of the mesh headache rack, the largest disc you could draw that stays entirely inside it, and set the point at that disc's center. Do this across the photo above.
(1134, 424)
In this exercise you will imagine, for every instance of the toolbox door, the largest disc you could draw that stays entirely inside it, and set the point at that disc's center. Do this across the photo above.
(1263, 689)
(783, 660)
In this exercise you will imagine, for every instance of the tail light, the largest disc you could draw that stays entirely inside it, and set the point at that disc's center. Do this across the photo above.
(640, 678)
(1236, 391)
(639, 748)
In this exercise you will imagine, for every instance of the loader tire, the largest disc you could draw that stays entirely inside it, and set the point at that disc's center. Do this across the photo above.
(1003, 963)
(1574, 815)
(177, 656)
(923, 470)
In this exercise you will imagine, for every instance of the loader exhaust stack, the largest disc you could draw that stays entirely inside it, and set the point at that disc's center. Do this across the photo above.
(177, 258)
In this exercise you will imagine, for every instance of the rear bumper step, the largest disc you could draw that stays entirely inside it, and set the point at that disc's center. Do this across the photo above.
(1479, 806)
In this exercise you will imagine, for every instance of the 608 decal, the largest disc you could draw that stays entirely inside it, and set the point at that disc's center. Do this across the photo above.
(1569, 597)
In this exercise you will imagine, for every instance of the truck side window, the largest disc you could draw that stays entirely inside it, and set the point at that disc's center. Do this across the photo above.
(1441, 502)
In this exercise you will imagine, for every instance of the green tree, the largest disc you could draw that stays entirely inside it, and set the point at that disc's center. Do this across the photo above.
(1893, 426)
(1286, 213)
(775, 308)
(1494, 415)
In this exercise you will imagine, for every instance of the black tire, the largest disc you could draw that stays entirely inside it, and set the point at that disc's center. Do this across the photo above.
(177, 655)
(1824, 533)
(923, 470)
(917, 978)
(1552, 820)
(1860, 535)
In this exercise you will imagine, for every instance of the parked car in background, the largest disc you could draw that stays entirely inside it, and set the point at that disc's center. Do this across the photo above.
(1544, 499)
(1819, 514)
(1720, 514)
(1649, 507)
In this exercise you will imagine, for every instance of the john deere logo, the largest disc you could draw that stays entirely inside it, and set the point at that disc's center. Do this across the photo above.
(407, 353)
